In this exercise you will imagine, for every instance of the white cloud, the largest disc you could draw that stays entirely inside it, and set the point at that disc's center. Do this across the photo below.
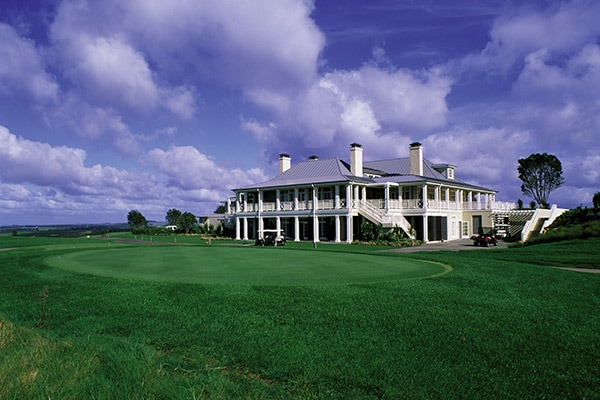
(189, 170)
(25, 161)
(486, 157)
(266, 44)
(557, 29)
(369, 105)
(111, 72)
(22, 69)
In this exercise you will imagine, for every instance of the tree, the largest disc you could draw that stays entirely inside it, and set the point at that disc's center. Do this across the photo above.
(221, 209)
(596, 200)
(540, 174)
(186, 222)
(135, 219)
(173, 216)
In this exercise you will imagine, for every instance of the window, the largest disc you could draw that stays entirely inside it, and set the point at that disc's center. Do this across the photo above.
(325, 193)
(286, 195)
(465, 228)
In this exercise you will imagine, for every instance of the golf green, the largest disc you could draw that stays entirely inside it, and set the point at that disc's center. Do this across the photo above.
(245, 265)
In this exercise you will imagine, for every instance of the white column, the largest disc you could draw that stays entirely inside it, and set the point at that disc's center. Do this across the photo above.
(337, 197)
(228, 209)
(278, 224)
(349, 228)
(261, 226)
(295, 198)
(245, 220)
(277, 201)
(349, 196)
(400, 197)
(470, 200)
(237, 228)
(260, 205)
(425, 230)
(447, 198)
(315, 218)
(245, 201)
(424, 194)
(355, 198)
(296, 228)
(386, 196)
(337, 228)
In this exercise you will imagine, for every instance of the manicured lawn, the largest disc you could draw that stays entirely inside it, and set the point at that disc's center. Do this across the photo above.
(244, 265)
(501, 324)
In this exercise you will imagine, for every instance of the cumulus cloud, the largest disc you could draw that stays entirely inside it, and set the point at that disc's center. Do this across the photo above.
(111, 72)
(22, 69)
(61, 167)
(558, 28)
(369, 105)
(490, 166)
(185, 168)
(266, 44)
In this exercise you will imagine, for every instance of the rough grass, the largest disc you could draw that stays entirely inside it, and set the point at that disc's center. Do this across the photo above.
(500, 325)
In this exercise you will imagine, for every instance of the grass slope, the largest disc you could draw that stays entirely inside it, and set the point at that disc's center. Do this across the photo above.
(500, 325)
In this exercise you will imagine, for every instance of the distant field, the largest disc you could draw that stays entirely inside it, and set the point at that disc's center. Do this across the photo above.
(337, 322)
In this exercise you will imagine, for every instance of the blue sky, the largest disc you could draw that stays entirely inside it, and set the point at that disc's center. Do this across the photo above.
(108, 106)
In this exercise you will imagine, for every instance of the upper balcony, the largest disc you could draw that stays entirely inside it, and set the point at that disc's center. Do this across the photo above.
(392, 205)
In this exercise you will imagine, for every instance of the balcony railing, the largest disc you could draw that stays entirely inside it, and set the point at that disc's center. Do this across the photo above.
(393, 204)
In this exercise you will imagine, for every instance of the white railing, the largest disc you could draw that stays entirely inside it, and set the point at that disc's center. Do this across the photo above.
(503, 206)
(379, 204)
(286, 205)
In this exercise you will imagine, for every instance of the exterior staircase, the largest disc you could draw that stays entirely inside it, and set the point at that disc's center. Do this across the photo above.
(384, 217)
(525, 224)
(541, 219)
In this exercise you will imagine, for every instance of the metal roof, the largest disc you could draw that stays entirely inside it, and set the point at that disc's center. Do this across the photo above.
(401, 166)
(316, 171)
(312, 172)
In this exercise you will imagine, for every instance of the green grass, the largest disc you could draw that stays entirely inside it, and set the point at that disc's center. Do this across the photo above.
(500, 325)
(245, 266)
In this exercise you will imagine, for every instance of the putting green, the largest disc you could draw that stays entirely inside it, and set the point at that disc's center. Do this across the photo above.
(245, 265)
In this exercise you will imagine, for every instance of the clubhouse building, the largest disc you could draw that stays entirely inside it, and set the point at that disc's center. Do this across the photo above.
(329, 199)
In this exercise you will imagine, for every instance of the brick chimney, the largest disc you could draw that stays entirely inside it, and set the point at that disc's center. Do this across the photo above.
(285, 162)
(356, 159)
(416, 159)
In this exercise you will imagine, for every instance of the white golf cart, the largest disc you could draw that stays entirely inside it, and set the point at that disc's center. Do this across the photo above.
(270, 237)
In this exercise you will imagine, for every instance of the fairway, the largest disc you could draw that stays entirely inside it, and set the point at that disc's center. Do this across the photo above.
(245, 265)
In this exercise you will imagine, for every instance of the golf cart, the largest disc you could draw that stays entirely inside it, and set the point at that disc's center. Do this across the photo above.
(484, 240)
(270, 237)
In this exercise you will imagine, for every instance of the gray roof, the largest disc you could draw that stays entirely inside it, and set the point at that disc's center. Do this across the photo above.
(312, 171)
(401, 166)
(335, 170)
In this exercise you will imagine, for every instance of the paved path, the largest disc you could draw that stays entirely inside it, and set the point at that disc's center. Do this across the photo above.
(453, 245)
(467, 244)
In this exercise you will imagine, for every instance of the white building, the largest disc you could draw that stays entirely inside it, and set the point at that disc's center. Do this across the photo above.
(329, 199)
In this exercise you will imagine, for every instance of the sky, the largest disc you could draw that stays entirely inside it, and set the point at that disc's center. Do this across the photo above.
(108, 106)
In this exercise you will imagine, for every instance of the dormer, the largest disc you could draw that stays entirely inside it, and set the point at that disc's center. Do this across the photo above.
(445, 169)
